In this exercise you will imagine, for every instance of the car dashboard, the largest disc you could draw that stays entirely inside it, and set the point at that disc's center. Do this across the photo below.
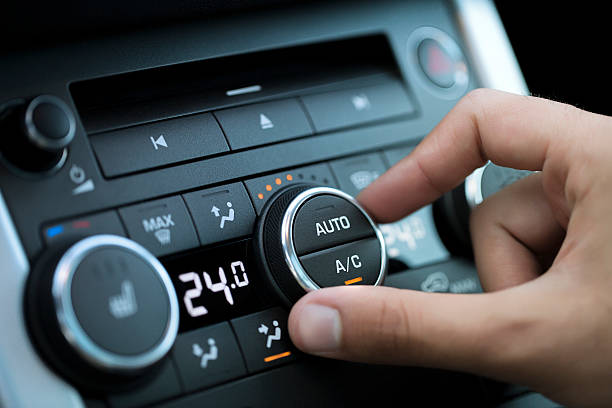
(170, 144)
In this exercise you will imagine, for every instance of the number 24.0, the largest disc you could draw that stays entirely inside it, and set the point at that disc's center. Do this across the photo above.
(220, 286)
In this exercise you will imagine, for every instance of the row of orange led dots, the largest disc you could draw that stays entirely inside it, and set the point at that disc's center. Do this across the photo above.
(278, 181)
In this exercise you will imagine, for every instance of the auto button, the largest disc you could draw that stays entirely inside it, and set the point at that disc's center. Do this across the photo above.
(327, 220)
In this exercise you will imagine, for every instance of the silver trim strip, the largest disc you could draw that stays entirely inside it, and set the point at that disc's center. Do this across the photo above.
(488, 45)
(245, 90)
(291, 258)
(493, 58)
(74, 332)
(25, 381)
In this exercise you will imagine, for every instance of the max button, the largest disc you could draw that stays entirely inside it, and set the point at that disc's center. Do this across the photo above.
(162, 226)
(325, 221)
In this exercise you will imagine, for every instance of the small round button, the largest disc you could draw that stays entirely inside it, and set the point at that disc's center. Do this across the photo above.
(49, 123)
(104, 312)
(438, 61)
(314, 237)
(36, 134)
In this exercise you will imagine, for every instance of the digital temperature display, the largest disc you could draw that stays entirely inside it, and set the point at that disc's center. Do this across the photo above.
(213, 285)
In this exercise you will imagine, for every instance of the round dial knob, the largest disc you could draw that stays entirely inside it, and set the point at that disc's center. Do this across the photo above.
(313, 237)
(103, 312)
(453, 209)
(36, 133)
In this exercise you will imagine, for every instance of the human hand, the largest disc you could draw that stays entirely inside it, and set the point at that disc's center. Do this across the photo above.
(545, 326)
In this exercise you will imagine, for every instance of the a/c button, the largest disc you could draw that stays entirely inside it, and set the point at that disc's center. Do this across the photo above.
(349, 264)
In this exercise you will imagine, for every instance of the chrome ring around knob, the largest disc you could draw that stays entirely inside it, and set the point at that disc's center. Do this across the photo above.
(287, 242)
(36, 137)
(73, 331)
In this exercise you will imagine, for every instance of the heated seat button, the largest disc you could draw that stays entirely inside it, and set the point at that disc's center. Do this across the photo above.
(264, 339)
(162, 226)
(325, 221)
(207, 356)
(263, 123)
(353, 263)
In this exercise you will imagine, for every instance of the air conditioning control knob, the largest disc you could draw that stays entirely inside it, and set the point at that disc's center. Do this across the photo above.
(312, 237)
(102, 313)
(452, 210)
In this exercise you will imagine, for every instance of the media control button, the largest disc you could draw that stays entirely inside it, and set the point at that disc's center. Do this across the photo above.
(262, 188)
(263, 123)
(71, 230)
(207, 356)
(345, 108)
(355, 263)
(325, 221)
(356, 173)
(157, 144)
(162, 226)
(221, 213)
(264, 339)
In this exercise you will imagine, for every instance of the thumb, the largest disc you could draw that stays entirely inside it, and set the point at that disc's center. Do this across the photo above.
(478, 333)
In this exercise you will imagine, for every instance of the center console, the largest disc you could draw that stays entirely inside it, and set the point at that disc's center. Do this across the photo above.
(168, 194)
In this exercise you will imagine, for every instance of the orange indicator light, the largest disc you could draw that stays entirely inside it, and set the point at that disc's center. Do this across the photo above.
(278, 181)
(268, 187)
(277, 356)
(260, 196)
(351, 281)
(289, 177)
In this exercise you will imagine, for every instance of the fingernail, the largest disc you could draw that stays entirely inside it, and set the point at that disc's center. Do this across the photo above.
(320, 329)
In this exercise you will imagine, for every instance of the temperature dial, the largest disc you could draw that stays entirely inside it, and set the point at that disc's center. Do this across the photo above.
(314, 237)
(452, 210)
(103, 312)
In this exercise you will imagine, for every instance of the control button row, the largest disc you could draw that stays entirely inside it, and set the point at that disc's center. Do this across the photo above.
(202, 217)
(165, 226)
(197, 136)
(212, 355)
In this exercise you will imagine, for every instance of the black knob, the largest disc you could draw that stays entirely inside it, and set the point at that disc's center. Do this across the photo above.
(313, 237)
(452, 210)
(37, 133)
(103, 313)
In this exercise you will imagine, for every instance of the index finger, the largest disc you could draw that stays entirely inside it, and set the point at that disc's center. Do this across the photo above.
(510, 130)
